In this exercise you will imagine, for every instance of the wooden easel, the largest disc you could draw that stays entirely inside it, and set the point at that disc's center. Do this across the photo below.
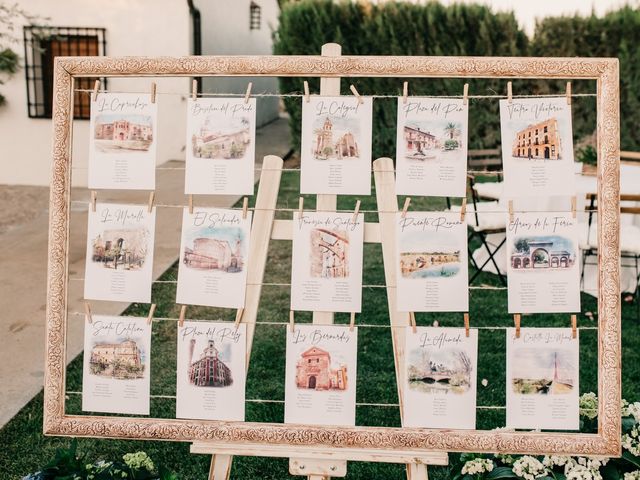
(322, 463)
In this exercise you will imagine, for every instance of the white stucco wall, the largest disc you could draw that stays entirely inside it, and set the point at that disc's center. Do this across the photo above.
(141, 27)
(225, 31)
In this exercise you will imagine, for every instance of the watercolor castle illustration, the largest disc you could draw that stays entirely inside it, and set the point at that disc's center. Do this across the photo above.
(329, 253)
(439, 371)
(122, 361)
(552, 252)
(121, 249)
(314, 371)
(543, 372)
(538, 141)
(208, 370)
(422, 144)
(327, 147)
(123, 133)
(220, 139)
(210, 253)
(430, 264)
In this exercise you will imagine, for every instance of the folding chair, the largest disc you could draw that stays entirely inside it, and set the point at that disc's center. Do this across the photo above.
(484, 219)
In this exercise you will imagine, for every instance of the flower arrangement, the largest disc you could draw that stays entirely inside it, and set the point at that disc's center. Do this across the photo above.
(68, 465)
(556, 467)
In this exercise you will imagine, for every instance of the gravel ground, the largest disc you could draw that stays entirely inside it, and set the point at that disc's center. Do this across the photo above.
(21, 204)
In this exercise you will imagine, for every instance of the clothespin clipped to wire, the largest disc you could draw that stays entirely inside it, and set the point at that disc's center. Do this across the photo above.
(352, 321)
(239, 314)
(245, 207)
(510, 210)
(190, 204)
(463, 209)
(307, 97)
(152, 196)
(568, 93)
(407, 202)
(292, 325)
(153, 92)
(574, 206)
(152, 310)
(466, 324)
(355, 92)
(465, 94)
(574, 326)
(356, 211)
(516, 321)
(183, 313)
(405, 92)
(509, 92)
(412, 322)
(194, 89)
(300, 207)
(96, 87)
(94, 199)
(87, 312)
(248, 93)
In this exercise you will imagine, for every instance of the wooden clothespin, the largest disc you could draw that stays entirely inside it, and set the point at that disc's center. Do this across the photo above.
(568, 93)
(516, 321)
(183, 313)
(292, 325)
(300, 207)
(509, 92)
(194, 89)
(407, 202)
(355, 92)
(153, 92)
(190, 204)
(356, 211)
(463, 209)
(248, 93)
(96, 87)
(307, 97)
(245, 207)
(466, 324)
(405, 92)
(574, 326)
(239, 314)
(510, 210)
(152, 310)
(352, 321)
(152, 196)
(574, 206)
(465, 94)
(94, 199)
(87, 312)
(412, 322)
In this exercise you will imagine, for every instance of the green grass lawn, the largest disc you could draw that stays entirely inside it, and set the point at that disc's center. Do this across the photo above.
(24, 449)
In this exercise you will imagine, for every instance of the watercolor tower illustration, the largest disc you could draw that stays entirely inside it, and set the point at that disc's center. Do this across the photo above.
(208, 370)
(313, 371)
(121, 360)
(329, 253)
(538, 141)
(325, 147)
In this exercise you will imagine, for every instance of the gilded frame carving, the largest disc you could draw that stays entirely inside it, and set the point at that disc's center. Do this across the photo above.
(604, 70)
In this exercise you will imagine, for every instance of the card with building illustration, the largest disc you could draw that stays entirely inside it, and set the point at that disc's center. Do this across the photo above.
(543, 273)
(211, 371)
(119, 261)
(440, 378)
(326, 271)
(213, 257)
(542, 379)
(431, 147)
(116, 365)
(221, 143)
(431, 262)
(336, 145)
(122, 141)
(320, 383)
(537, 147)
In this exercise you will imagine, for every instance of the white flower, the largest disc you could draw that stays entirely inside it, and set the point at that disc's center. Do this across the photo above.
(631, 410)
(589, 405)
(529, 468)
(476, 466)
(551, 461)
(484, 382)
(506, 459)
(584, 468)
(632, 475)
(436, 323)
(631, 440)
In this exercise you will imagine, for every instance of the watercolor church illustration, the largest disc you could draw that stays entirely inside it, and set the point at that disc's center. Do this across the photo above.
(313, 371)
(208, 370)
(326, 147)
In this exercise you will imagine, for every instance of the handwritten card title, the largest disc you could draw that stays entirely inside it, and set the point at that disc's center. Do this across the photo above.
(546, 224)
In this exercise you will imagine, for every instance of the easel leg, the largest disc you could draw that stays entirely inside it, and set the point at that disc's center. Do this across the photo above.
(220, 468)
(417, 471)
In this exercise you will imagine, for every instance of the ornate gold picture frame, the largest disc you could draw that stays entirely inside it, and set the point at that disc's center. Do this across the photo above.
(360, 438)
